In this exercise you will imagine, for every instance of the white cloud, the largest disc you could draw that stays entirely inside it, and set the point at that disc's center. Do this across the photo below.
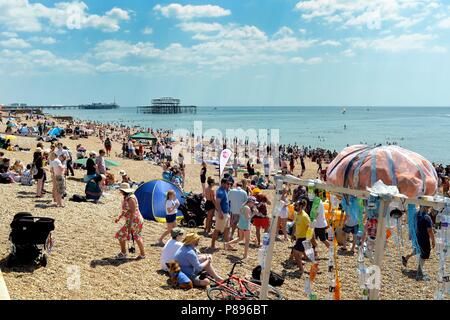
(9, 34)
(23, 16)
(439, 49)
(283, 32)
(15, 43)
(189, 12)
(332, 43)
(371, 14)
(349, 53)
(302, 31)
(147, 31)
(116, 49)
(44, 40)
(200, 27)
(109, 67)
(444, 23)
(415, 41)
(16, 62)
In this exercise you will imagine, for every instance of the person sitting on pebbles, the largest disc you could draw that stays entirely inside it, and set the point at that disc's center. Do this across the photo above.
(192, 263)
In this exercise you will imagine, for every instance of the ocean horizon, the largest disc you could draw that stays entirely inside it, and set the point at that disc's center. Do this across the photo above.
(420, 129)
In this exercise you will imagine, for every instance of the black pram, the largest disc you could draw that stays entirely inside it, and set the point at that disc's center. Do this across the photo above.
(30, 239)
(193, 210)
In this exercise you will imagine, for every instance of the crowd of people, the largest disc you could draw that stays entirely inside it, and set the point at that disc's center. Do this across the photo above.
(237, 209)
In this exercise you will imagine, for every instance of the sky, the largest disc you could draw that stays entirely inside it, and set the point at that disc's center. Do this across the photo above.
(226, 52)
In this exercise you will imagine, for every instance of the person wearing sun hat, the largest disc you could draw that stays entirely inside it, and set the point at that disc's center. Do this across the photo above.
(134, 222)
(192, 264)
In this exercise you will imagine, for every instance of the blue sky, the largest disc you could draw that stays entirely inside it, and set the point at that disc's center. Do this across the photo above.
(229, 52)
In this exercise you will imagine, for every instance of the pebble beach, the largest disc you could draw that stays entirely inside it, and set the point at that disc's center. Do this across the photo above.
(85, 243)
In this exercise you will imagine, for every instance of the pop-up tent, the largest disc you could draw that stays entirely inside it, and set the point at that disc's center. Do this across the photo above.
(144, 136)
(55, 132)
(152, 199)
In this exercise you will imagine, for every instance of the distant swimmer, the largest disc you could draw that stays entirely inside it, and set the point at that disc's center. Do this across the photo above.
(345, 127)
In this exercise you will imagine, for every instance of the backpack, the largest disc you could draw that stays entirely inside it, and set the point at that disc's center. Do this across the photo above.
(78, 198)
(274, 280)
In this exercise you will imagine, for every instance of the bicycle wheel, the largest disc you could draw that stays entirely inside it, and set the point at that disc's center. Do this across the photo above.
(254, 289)
(220, 293)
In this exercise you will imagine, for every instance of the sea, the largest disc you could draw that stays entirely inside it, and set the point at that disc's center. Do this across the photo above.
(425, 130)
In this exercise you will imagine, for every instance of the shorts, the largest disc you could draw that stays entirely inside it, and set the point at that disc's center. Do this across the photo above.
(60, 185)
(202, 179)
(196, 280)
(222, 224)
(171, 218)
(209, 205)
(353, 230)
(320, 233)
(261, 222)
(234, 219)
(425, 250)
(299, 245)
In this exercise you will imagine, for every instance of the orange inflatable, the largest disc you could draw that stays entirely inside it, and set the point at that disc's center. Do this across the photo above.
(360, 166)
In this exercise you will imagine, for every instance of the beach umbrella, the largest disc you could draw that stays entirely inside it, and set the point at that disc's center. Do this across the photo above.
(152, 199)
(108, 163)
(361, 166)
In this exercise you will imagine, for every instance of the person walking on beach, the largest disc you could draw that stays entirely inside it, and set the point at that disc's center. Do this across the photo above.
(301, 226)
(222, 213)
(100, 162)
(210, 207)
(69, 161)
(238, 197)
(108, 147)
(203, 172)
(260, 219)
(38, 171)
(244, 226)
(59, 182)
(134, 222)
(172, 205)
(424, 235)
(284, 214)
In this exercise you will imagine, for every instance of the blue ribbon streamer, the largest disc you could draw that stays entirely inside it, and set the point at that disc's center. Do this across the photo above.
(412, 226)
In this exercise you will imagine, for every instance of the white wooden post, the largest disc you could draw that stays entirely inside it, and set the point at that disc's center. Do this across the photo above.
(265, 272)
(374, 294)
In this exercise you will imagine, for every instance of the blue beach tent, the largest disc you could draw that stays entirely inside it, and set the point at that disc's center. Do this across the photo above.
(55, 132)
(152, 199)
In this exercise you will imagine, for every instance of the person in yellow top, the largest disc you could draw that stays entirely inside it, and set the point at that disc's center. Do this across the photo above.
(301, 225)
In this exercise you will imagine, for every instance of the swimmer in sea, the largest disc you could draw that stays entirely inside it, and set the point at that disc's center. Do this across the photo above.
(345, 126)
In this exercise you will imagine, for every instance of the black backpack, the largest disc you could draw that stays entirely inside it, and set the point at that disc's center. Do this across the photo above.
(78, 198)
(274, 280)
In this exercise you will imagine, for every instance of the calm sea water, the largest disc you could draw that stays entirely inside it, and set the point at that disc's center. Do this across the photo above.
(425, 130)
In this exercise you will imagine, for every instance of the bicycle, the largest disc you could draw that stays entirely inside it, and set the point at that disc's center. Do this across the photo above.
(236, 288)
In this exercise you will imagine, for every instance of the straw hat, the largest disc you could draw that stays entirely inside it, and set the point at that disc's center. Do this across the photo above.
(125, 187)
(122, 173)
(92, 153)
(191, 238)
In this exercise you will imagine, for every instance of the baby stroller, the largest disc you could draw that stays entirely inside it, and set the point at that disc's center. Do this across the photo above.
(30, 239)
(193, 210)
